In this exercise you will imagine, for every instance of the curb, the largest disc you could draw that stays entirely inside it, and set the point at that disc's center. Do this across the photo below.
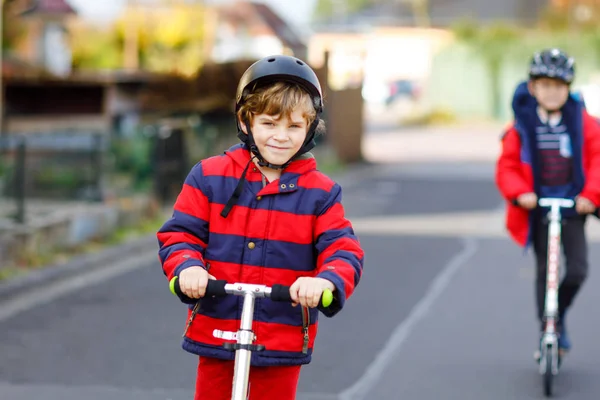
(77, 265)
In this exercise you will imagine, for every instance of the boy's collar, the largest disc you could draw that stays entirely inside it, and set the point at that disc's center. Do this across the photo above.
(551, 119)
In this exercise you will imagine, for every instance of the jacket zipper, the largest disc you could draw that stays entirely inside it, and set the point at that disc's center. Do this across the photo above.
(191, 319)
(305, 325)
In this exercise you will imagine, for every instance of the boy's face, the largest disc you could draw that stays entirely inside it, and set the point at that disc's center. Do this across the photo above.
(278, 137)
(551, 94)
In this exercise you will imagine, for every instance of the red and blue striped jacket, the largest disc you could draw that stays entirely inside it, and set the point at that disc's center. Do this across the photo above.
(290, 228)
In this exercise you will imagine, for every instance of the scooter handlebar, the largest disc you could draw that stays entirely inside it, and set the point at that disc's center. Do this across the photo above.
(220, 288)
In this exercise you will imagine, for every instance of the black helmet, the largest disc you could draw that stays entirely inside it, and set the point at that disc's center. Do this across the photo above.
(552, 63)
(273, 69)
(280, 68)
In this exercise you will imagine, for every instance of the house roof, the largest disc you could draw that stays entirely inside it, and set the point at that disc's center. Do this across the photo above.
(260, 19)
(278, 25)
(49, 7)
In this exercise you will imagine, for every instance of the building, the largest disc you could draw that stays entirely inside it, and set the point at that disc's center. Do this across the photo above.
(249, 30)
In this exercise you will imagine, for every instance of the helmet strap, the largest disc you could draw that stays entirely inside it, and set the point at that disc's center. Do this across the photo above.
(248, 138)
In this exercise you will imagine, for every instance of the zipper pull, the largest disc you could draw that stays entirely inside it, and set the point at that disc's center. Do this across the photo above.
(305, 325)
(191, 319)
(306, 339)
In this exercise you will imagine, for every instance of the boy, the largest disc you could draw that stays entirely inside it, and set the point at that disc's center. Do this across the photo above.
(263, 214)
(551, 150)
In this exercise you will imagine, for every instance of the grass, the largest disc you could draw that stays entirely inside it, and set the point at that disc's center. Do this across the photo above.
(145, 227)
(9, 272)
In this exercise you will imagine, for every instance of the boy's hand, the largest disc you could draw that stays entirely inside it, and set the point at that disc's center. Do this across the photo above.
(528, 200)
(307, 291)
(584, 206)
(193, 281)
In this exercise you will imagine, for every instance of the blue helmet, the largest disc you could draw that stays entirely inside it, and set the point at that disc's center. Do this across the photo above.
(552, 63)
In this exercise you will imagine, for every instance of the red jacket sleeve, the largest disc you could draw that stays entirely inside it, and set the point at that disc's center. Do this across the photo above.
(591, 137)
(340, 256)
(510, 177)
(184, 237)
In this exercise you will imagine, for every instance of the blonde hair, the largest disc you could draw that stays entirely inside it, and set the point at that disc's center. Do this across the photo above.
(280, 98)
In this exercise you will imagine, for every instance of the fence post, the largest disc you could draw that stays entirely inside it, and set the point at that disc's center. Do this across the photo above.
(160, 148)
(97, 165)
(20, 176)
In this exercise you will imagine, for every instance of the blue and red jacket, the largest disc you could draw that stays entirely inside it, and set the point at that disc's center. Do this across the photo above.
(292, 227)
(517, 168)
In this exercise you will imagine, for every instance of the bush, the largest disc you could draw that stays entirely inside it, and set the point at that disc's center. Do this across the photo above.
(133, 156)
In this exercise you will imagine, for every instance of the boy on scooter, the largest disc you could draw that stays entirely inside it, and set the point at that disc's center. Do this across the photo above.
(552, 149)
(262, 213)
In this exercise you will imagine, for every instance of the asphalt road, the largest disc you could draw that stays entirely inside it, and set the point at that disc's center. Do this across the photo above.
(436, 316)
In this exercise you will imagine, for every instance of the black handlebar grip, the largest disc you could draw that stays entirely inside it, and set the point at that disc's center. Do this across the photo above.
(216, 288)
(281, 293)
(213, 288)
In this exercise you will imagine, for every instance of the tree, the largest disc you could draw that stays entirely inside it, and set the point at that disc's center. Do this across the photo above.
(330, 9)
(174, 43)
(12, 26)
(95, 48)
(571, 14)
(166, 38)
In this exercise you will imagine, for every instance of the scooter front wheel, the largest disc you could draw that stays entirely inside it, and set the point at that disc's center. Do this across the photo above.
(548, 375)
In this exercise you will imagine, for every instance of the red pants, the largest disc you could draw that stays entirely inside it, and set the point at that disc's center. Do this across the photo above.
(215, 380)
